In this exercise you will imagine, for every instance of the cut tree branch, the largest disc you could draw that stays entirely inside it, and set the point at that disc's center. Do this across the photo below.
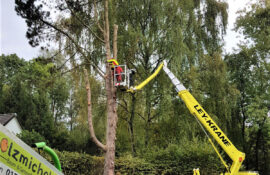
(89, 110)
(115, 30)
(96, 17)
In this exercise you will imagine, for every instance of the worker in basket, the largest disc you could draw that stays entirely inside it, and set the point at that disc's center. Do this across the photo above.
(118, 70)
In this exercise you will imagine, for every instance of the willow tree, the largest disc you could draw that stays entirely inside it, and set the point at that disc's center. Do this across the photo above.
(249, 70)
(178, 31)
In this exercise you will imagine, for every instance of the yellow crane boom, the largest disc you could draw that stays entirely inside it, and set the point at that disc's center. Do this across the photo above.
(196, 109)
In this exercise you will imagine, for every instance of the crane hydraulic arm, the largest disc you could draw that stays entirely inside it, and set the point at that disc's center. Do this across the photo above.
(201, 115)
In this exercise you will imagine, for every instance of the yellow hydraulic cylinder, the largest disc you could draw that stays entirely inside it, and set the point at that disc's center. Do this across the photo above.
(145, 82)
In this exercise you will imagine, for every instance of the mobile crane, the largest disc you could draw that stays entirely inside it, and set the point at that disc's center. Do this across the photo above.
(204, 120)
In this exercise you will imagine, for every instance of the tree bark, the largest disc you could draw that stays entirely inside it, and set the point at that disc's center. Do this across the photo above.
(130, 124)
(111, 102)
(89, 110)
(115, 30)
(258, 144)
(148, 117)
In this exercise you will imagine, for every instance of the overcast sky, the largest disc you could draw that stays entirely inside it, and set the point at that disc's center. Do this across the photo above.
(13, 29)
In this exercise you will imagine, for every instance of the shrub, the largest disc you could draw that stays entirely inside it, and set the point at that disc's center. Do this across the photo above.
(169, 161)
(31, 137)
(74, 163)
(182, 159)
(134, 165)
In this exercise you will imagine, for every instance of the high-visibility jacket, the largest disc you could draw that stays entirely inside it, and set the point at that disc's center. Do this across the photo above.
(118, 71)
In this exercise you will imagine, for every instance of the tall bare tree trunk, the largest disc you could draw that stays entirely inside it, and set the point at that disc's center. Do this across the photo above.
(109, 148)
(111, 101)
(130, 124)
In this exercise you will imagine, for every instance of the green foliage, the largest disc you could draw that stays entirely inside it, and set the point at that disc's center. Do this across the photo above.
(181, 159)
(31, 137)
(134, 165)
(166, 161)
(259, 127)
(254, 24)
(180, 32)
(25, 91)
(249, 70)
(220, 96)
(74, 163)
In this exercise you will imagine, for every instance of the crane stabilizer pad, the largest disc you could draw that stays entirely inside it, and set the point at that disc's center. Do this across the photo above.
(17, 158)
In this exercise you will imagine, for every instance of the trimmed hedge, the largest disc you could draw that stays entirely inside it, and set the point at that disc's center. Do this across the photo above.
(134, 165)
(176, 160)
(74, 163)
(166, 162)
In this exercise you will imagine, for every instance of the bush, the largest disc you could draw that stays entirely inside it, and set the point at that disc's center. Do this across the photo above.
(134, 165)
(31, 137)
(182, 159)
(74, 163)
(169, 161)
(79, 163)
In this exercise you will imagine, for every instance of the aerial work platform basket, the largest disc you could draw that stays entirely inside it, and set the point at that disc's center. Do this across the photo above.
(122, 76)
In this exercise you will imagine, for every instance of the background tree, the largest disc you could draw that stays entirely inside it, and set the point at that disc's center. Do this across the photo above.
(152, 31)
(249, 69)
